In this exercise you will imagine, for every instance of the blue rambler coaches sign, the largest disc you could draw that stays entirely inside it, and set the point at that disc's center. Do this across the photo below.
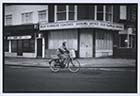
(81, 24)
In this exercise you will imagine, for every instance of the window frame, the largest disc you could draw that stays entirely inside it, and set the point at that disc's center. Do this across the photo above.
(26, 20)
(29, 46)
(7, 19)
(6, 45)
(41, 13)
(131, 43)
(67, 11)
(124, 9)
(109, 13)
(104, 13)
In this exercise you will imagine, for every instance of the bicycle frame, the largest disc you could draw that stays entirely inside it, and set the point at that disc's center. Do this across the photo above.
(67, 61)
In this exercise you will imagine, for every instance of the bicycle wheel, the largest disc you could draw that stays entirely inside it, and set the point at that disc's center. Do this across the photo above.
(74, 65)
(53, 66)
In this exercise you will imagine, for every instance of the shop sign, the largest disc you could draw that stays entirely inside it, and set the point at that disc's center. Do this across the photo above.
(81, 24)
(18, 37)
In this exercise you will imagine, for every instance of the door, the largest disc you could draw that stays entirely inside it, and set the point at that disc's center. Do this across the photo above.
(86, 44)
(39, 47)
(19, 48)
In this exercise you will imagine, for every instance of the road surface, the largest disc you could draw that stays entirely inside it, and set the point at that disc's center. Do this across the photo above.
(92, 80)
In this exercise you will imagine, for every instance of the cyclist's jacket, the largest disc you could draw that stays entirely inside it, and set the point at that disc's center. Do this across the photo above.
(62, 49)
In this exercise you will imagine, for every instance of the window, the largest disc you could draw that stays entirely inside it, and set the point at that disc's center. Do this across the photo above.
(28, 45)
(133, 13)
(65, 12)
(123, 13)
(42, 15)
(100, 12)
(123, 39)
(71, 12)
(127, 41)
(109, 13)
(27, 18)
(8, 20)
(56, 38)
(6, 45)
(14, 45)
(61, 12)
(105, 12)
(104, 40)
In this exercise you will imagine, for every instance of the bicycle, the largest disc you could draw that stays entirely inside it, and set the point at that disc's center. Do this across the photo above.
(71, 63)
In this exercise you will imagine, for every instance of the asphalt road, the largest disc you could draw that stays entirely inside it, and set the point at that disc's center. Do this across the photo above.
(92, 80)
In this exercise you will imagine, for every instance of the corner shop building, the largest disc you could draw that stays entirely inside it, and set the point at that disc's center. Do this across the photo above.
(90, 37)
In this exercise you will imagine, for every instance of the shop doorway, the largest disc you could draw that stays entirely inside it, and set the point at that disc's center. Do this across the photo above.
(19, 48)
(86, 43)
(39, 47)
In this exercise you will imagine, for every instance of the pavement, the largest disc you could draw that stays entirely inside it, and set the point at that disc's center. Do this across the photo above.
(88, 62)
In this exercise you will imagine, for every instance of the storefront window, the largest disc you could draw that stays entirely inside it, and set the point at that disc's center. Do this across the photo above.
(6, 45)
(14, 45)
(104, 40)
(123, 40)
(57, 37)
(28, 45)
(127, 42)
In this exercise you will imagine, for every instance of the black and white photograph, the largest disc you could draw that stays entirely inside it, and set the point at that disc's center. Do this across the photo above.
(70, 47)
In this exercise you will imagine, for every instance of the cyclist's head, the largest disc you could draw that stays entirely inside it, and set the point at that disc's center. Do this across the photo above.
(64, 43)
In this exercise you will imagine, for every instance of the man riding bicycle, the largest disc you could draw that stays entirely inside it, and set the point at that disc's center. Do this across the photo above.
(62, 52)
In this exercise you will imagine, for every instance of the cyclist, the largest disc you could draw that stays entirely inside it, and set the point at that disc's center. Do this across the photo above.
(62, 52)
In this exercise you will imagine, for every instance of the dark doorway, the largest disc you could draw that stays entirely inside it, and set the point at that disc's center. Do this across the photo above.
(19, 48)
(39, 47)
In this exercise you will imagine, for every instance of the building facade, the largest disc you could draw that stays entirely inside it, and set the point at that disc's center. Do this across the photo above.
(92, 30)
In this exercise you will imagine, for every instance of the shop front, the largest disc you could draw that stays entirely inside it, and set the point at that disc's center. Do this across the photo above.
(20, 41)
(88, 38)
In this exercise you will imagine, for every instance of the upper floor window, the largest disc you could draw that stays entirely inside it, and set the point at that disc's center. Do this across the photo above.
(105, 12)
(71, 12)
(65, 12)
(100, 12)
(42, 15)
(8, 20)
(109, 13)
(123, 12)
(95, 12)
(27, 18)
(61, 12)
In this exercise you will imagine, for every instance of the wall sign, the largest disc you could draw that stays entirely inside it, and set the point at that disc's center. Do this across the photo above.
(81, 24)
(18, 37)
